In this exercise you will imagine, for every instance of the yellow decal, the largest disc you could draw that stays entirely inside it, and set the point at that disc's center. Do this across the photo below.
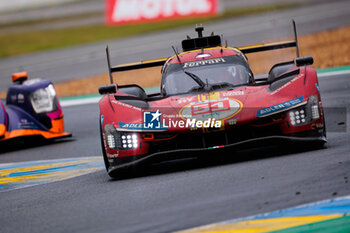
(209, 96)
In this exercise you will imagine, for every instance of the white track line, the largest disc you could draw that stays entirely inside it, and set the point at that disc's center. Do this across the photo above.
(82, 101)
(334, 73)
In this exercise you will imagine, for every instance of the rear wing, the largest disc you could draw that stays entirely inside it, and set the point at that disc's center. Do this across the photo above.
(266, 47)
(200, 43)
(272, 46)
(132, 66)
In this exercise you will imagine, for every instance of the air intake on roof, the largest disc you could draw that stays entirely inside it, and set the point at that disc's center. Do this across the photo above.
(201, 41)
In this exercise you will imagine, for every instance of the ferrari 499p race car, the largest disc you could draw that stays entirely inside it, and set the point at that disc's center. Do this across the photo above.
(32, 110)
(209, 100)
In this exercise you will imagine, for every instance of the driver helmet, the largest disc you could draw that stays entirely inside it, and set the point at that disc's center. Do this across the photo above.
(237, 75)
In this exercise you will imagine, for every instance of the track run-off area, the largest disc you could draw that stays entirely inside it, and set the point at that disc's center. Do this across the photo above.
(25, 174)
(326, 216)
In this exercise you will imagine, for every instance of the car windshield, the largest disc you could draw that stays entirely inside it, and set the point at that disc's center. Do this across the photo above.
(218, 76)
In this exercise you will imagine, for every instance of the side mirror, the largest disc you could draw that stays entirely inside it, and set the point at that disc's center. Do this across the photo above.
(303, 61)
(108, 89)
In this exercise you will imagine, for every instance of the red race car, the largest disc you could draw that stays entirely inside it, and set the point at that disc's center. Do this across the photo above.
(209, 100)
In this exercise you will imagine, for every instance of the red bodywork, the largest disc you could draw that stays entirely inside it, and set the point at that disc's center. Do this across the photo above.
(241, 107)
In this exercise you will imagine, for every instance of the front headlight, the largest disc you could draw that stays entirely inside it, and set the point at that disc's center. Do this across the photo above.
(297, 116)
(43, 99)
(121, 140)
(129, 141)
(305, 114)
(315, 112)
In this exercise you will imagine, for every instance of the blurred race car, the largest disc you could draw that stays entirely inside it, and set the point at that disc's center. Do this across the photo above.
(209, 100)
(32, 110)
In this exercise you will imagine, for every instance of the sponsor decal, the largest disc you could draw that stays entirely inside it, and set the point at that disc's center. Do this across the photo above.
(279, 107)
(319, 125)
(287, 84)
(130, 125)
(209, 96)
(232, 93)
(133, 11)
(187, 99)
(220, 109)
(20, 98)
(13, 98)
(204, 62)
(203, 55)
(317, 87)
(25, 124)
(126, 105)
(112, 156)
(232, 121)
(216, 147)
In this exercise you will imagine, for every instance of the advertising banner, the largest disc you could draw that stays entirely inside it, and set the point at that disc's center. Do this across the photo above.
(138, 11)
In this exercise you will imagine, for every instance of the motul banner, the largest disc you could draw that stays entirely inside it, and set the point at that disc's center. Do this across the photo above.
(135, 11)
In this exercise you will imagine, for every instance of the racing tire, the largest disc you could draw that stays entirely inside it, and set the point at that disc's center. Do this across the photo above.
(105, 159)
(321, 144)
(122, 173)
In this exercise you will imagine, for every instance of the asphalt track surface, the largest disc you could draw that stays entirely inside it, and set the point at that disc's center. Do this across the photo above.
(179, 195)
(87, 60)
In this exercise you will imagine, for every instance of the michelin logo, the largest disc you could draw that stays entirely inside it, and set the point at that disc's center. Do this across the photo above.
(278, 107)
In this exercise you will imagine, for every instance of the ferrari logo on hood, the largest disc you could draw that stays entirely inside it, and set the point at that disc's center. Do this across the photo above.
(204, 62)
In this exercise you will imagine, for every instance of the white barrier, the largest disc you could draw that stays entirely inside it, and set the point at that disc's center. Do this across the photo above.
(15, 5)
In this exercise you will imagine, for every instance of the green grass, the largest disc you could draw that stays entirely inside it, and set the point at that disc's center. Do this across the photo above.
(28, 42)
(49, 20)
